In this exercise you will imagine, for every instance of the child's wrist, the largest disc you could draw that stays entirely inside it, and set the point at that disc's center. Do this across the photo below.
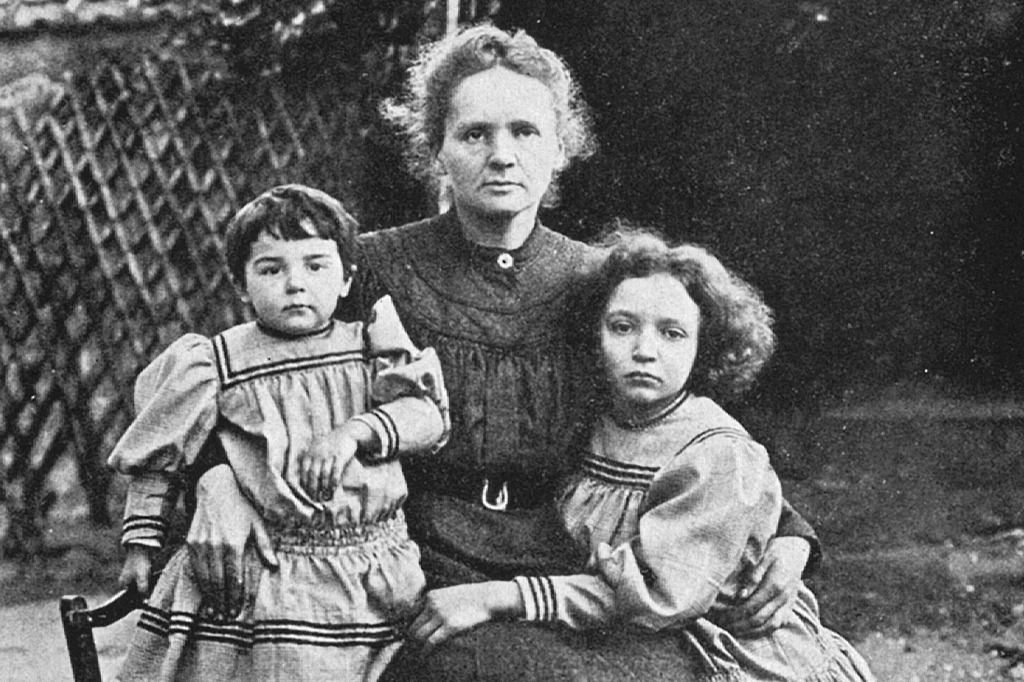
(367, 440)
(139, 549)
(361, 432)
(504, 601)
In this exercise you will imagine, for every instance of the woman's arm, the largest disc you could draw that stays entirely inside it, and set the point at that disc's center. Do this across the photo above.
(225, 522)
(793, 525)
(771, 589)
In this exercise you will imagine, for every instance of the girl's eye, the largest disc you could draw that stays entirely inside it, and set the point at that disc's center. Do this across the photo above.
(473, 135)
(316, 267)
(527, 131)
(619, 327)
(675, 334)
(268, 270)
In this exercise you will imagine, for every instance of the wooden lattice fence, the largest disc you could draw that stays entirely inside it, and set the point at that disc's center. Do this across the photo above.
(111, 210)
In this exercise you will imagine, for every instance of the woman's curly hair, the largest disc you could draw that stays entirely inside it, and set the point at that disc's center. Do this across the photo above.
(421, 110)
(735, 339)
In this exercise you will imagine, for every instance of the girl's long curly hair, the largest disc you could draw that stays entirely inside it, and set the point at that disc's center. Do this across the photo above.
(421, 110)
(735, 339)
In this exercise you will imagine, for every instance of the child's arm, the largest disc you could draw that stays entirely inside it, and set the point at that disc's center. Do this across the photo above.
(409, 412)
(175, 405)
(707, 515)
(698, 525)
(449, 611)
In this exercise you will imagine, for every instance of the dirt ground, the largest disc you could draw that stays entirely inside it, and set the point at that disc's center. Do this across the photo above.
(921, 515)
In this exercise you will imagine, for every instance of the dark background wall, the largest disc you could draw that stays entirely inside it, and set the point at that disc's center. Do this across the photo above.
(859, 161)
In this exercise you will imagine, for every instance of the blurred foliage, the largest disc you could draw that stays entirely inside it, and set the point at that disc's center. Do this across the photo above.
(310, 36)
(307, 39)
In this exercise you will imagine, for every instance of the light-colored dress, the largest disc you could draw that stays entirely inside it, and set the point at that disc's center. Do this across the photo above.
(675, 513)
(349, 574)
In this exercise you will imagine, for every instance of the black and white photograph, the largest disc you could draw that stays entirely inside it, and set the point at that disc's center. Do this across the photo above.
(511, 340)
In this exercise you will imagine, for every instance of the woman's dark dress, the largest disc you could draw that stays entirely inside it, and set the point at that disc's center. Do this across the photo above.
(513, 352)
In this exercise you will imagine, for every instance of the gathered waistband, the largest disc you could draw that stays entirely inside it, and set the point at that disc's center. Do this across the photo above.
(309, 538)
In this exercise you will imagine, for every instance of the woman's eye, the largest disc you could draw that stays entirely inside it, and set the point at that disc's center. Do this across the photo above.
(473, 136)
(675, 334)
(268, 270)
(316, 267)
(527, 131)
(620, 327)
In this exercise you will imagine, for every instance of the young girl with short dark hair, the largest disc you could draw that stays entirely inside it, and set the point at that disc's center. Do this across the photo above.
(339, 574)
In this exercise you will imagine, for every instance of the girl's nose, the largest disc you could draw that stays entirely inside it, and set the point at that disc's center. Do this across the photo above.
(644, 347)
(296, 281)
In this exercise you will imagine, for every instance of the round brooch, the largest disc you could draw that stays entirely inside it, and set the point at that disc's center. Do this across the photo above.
(505, 261)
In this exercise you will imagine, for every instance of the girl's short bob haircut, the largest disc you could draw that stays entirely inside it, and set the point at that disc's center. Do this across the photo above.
(290, 212)
(422, 109)
(735, 339)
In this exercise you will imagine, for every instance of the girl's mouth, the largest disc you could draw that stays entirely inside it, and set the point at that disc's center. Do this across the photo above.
(643, 377)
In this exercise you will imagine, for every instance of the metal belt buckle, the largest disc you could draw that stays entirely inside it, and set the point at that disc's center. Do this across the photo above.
(500, 503)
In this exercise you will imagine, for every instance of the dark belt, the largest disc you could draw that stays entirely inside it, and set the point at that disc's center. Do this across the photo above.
(495, 493)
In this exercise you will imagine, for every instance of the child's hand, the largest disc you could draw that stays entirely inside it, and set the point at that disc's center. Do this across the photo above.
(138, 569)
(450, 611)
(322, 465)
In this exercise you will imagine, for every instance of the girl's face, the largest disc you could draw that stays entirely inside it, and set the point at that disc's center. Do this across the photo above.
(648, 342)
(294, 285)
(501, 147)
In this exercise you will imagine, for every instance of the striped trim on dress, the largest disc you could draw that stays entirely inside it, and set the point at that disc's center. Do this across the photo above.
(245, 635)
(717, 431)
(230, 377)
(640, 476)
(154, 527)
(384, 426)
(538, 597)
(619, 473)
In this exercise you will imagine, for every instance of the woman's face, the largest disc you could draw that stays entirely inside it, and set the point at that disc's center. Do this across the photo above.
(501, 147)
(649, 342)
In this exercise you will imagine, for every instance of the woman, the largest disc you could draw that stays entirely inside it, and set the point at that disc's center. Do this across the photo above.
(492, 119)
(672, 497)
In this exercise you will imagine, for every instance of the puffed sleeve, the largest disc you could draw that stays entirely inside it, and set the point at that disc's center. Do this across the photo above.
(706, 513)
(175, 411)
(410, 403)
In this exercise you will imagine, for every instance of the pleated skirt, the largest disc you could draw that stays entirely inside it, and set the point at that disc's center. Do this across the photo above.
(335, 609)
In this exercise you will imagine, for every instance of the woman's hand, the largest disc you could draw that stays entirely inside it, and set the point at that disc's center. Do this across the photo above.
(768, 597)
(221, 528)
(450, 611)
(138, 568)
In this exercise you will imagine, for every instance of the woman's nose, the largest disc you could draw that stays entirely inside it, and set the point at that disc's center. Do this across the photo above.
(503, 150)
